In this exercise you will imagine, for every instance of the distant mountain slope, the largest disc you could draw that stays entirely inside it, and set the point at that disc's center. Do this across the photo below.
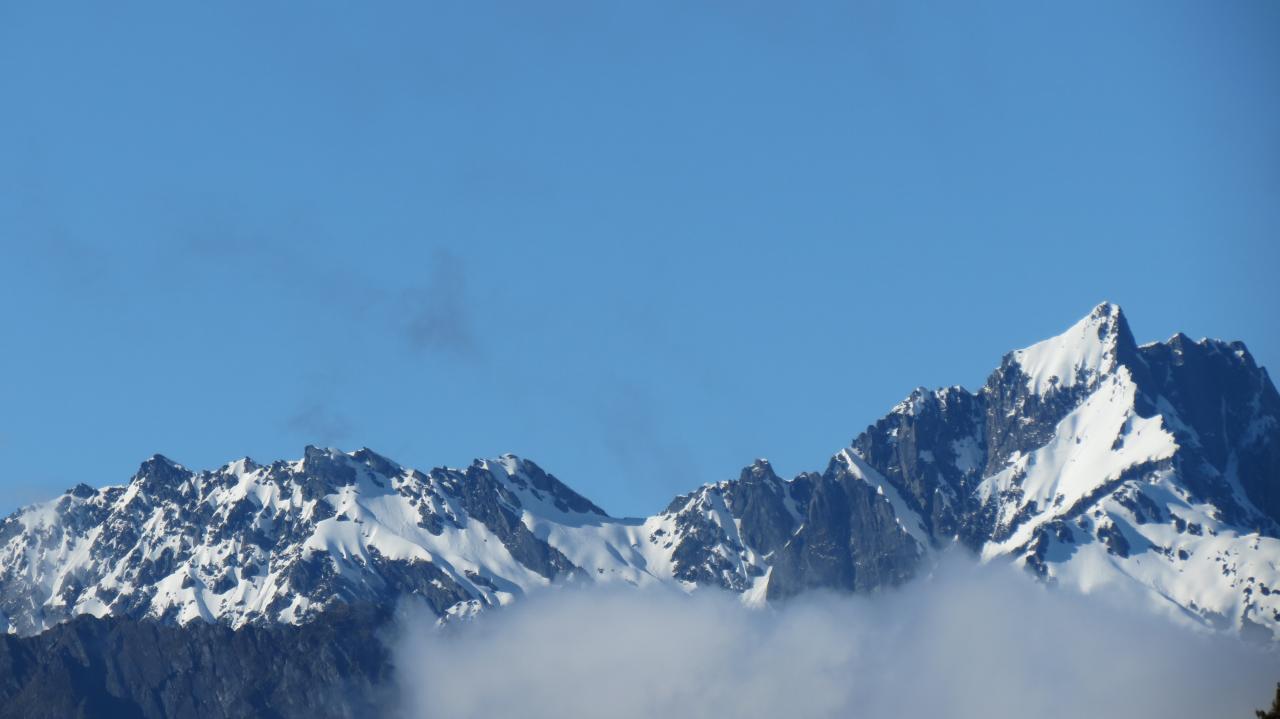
(1087, 458)
(336, 666)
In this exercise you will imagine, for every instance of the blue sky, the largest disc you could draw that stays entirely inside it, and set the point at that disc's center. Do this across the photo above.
(639, 243)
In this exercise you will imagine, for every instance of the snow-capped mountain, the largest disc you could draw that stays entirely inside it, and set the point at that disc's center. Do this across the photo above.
(1095, 461)
(1087, 458)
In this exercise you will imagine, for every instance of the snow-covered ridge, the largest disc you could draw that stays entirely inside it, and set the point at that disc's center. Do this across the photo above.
(1087, 459)
(1085, 351)
(247, 542)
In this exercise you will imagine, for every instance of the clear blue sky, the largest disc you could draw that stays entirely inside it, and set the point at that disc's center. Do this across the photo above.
(639, 243)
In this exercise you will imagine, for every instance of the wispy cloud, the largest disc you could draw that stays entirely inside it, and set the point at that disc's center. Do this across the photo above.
(968, 642)
(430, 307)
(439, 316)
(633, 432)
(320, 422)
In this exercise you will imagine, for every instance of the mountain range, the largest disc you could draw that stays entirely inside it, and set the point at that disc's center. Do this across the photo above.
(1087, 458)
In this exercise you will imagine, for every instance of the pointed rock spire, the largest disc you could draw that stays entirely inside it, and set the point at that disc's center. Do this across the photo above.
(1091, 348)
(760, 470)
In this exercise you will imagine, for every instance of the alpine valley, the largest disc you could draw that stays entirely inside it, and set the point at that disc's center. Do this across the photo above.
(1088, 459)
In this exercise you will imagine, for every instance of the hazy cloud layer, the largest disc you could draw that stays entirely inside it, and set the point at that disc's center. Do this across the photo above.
(967, 642)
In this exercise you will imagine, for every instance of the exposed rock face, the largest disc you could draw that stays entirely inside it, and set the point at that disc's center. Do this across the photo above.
(335, 666)
(850, 539)
(1228, 409)
(932, 446)
(1086, 458)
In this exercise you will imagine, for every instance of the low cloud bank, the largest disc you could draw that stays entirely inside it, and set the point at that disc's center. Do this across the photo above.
(966, 642)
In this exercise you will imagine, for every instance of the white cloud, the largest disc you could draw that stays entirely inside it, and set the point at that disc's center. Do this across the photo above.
(966, 642)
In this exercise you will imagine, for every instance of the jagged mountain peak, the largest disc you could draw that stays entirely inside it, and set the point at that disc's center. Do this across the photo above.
(759, 470)
(923, 399)
(536, 485)
(158, 463)
(1091, 348)
(240, 466)
(1232, 351)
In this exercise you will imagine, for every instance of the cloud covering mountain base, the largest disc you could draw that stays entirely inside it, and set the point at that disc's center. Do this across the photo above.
(964, 642)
